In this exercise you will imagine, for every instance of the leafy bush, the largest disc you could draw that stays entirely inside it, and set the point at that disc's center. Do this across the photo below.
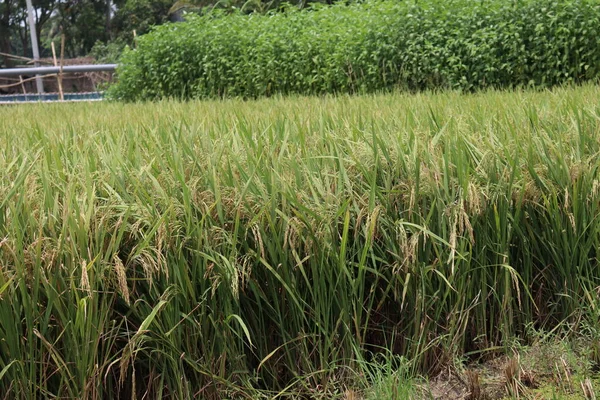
(367, 47)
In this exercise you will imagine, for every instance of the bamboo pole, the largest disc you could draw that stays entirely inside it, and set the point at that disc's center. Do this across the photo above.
(58, 76)
(25, 80)
(22, 84)
(15, 57)
(62, 58)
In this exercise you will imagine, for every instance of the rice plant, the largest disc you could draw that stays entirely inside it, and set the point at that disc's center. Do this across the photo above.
(277, 248)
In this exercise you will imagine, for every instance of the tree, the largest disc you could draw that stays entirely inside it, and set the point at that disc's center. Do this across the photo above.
(83, 22)
(5, 29)
(14, 30)
(140, 15)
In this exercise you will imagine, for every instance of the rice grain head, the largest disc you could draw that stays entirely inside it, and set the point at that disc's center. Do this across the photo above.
(121, 278)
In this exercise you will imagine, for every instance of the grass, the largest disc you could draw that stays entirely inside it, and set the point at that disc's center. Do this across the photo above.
(290, 248)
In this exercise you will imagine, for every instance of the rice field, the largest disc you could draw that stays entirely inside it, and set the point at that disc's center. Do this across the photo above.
(290, 247)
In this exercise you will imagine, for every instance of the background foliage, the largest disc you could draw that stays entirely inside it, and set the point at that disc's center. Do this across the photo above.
(367, 47)
(103, 25)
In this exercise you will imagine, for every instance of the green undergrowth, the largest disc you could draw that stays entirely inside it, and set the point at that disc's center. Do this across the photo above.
(366, 47)
(556, 366)
(290, 248)
(559, 366)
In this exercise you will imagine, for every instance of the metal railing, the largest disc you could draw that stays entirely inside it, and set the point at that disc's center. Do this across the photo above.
(56, 70)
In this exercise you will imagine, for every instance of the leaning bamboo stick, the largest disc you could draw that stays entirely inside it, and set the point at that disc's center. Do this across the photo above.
(58, 76)
(22, 85)
(15, 57)
(24, 80)
(62, 57)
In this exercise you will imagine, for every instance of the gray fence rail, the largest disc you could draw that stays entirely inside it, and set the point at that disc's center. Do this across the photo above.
(56, 70)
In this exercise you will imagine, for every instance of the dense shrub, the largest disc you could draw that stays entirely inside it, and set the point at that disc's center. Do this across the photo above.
(367, 47)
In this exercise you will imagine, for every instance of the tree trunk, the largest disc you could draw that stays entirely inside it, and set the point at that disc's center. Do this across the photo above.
(107, 24)
(5, 46)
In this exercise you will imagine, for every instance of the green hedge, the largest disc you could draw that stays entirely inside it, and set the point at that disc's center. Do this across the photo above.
(367, 47)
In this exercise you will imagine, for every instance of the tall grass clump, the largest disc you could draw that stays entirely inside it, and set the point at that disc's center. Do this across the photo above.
(289, 246)
(367, 47)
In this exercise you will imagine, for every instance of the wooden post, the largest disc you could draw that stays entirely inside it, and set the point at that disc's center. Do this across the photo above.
(58, 77)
